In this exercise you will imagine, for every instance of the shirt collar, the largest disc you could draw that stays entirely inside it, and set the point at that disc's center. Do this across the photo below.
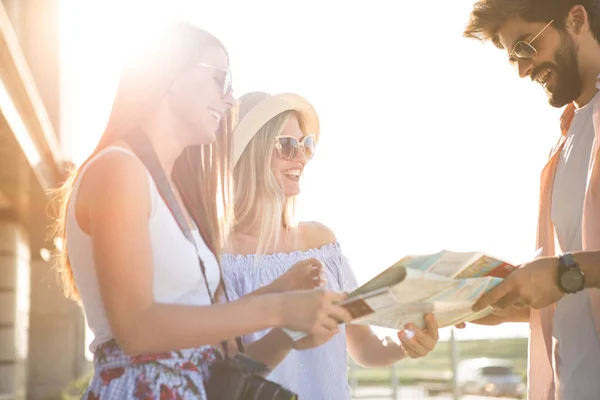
(567, 116)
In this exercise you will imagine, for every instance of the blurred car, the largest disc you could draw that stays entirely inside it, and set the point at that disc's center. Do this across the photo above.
(489, 377)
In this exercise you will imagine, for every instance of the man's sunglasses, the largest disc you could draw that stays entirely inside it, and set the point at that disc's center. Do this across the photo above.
(227, 81)
(523, 50)
(288, 146)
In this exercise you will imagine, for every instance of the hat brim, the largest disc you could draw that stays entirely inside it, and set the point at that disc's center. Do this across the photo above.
(268, 109)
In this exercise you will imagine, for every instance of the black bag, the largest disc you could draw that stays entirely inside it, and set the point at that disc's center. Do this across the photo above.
(233, 378)
(241, 378)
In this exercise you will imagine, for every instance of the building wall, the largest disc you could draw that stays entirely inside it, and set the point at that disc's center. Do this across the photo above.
(41, 333)
(14, 306)
(37, 24)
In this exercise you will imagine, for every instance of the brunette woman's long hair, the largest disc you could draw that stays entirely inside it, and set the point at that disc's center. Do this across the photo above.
(145, 81)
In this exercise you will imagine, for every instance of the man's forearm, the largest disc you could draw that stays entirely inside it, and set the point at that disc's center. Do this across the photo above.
(589, 262)
(511, 314)
(271, 349)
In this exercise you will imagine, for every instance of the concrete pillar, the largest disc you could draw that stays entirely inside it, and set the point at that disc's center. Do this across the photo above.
(56, 336)
(14, 308)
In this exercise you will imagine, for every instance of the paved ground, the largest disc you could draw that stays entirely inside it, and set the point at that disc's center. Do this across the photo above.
(408, 393)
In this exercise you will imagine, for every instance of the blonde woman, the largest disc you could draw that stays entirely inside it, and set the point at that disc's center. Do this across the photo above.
(126, 258)
(274, 140)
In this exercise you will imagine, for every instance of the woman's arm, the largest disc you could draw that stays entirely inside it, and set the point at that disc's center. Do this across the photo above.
(367, 350)
(275, 346)
(271, 349)
(116, 201)
(370, 351)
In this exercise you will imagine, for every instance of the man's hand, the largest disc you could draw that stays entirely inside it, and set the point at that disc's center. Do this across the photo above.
(500, 316)
(423, 341)
(534, 284)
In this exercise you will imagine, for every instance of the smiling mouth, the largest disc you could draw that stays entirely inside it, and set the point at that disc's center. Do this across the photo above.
(292, 174)
(216, 115)
(543, 77)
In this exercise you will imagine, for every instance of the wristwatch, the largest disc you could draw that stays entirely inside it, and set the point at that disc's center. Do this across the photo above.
(570, 277)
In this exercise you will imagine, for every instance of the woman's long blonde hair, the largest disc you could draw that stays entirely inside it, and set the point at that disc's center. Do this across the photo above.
(145, 81)
(259, 200)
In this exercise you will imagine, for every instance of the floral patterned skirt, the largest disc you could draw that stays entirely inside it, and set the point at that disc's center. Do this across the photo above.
(165, 376)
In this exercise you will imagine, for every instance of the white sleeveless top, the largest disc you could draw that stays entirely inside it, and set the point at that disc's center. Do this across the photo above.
(177, 275)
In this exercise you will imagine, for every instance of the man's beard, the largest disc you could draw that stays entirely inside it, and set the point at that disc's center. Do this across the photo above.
(568, 82)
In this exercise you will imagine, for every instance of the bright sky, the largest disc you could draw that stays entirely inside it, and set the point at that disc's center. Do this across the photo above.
(428, 141)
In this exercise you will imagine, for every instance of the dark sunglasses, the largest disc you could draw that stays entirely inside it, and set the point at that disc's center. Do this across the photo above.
(523, 50)
(288, 146)
(227, 81)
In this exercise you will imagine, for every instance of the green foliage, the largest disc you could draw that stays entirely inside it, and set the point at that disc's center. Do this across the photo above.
(74, 390)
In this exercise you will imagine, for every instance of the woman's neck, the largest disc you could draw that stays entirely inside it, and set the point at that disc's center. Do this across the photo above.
(167, 154)
(254, 231)
(246, 242)
(161, 134)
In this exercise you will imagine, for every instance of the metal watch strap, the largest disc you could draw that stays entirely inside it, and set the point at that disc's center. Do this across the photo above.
(566, 265)
(566, 260)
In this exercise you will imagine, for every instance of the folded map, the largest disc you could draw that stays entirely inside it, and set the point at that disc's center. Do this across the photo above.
(446, 284)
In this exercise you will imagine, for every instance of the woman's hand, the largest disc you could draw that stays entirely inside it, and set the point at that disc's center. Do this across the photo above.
(423, 341)
(316, 312)
(312, 341)
(307, 274)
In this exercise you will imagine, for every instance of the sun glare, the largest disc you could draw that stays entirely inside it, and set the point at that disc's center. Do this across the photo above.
(408, 162)
(94, 38)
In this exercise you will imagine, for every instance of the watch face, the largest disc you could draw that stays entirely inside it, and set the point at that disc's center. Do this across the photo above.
(572, 281)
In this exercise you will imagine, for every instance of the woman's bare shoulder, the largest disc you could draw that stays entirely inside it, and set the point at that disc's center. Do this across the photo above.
(116, 178)
(315, 234)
